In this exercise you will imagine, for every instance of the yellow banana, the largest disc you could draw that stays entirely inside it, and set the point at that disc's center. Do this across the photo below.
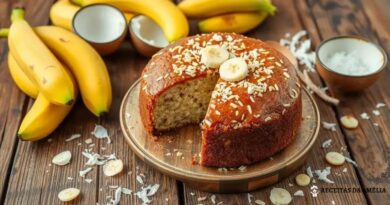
(20, 79)
(39, 64)
(43, 117)
(165, 13)
(234, 22)
(207, 8)
(62, 12)
(84, 62)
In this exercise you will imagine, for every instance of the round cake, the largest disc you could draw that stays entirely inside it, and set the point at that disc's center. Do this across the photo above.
(245, 95)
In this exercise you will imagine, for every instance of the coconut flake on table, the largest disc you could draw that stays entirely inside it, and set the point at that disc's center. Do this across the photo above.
(97, 159)
(126, 191)
(327, 143)
(299, 193)
(301, 49)
(309, 172)
(117, 196)
(323, 175)
(84, 172)
(379, 105)
(250, 196)
(364, 116)
(350, 161)
(100, 132)
(212, 198)
(376, 112)
(146, 192)
(329, 126)
(139, 179)
(73, 137)
(202, 198)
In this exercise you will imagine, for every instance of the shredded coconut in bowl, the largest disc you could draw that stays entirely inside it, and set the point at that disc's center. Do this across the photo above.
(348, 63)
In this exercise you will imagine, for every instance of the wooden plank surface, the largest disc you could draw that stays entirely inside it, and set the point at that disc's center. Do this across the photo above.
(29, 178)
(32, 179)
(369, 144)
(274, 29)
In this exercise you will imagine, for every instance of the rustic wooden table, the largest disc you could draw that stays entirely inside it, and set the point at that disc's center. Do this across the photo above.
(26, 176)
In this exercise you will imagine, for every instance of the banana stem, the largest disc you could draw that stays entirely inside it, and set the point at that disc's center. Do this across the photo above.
(4, 32)
(17, 14)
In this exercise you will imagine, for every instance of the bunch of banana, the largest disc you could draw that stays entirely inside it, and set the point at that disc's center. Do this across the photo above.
(40, 69)
(227, 15)
(164, 12)
(62, 12)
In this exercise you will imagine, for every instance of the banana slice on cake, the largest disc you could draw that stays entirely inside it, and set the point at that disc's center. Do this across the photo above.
(234, 69)
(213, 56)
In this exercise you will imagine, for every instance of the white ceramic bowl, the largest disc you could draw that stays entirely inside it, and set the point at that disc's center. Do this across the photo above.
(340, 72)
(146, 35)
(102, 25)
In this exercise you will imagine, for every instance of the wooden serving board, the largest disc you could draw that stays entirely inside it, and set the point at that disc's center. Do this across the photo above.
(172, 154)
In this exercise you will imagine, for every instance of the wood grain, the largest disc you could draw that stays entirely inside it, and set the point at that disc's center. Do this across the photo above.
(289, 20)
(349, 17)
(27, 178)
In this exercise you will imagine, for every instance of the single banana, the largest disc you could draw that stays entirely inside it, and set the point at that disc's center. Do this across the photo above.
(85, 63)
(62, 12)
(165, 13)
(234, 69)
(213, 56)
(39, 64)
(20, 79)
(207, 8)
(234, 22)
(43, 117)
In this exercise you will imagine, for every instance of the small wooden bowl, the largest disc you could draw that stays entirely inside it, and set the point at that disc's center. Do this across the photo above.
(146, 35)
(187, 141)
(101, 25)
(373, 55)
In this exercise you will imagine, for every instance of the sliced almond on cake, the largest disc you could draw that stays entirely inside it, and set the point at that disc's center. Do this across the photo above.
(213, 56)
(234, 69)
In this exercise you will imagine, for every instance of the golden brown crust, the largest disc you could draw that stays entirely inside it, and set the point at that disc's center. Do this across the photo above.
(264, 108)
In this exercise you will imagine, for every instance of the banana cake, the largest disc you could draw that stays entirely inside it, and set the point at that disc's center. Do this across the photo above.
(245, 95)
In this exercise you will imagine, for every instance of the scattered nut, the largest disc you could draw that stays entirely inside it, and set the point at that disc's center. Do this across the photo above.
(62, 158)
(335, 158)
(68, 194)
(113, 167)
(349, 122)
(280, 196)
(302, 179)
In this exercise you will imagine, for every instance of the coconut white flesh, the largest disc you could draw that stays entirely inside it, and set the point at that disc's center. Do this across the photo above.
(366, 52)
(148, 31)
(99, 23)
